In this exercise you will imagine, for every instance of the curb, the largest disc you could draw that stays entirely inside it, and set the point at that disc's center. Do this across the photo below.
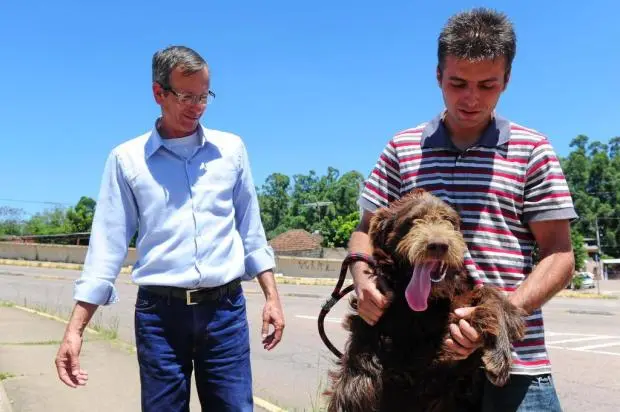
(50, 265)
(5, 402)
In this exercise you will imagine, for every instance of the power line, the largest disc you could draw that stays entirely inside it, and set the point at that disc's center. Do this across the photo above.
(45, 202)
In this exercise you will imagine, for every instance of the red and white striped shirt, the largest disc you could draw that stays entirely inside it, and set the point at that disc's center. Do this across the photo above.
(512, 176)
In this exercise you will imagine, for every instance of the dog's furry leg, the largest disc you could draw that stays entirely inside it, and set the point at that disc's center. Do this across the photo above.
(500, 323)
(356, 383)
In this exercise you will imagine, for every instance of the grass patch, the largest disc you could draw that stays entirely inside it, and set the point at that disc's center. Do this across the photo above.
(104, 331)
(6, 375)
(109, 332)
(6, 304)
(585, 295)
(44, 342)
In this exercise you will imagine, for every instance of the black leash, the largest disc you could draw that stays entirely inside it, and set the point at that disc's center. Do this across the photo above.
(337, 294)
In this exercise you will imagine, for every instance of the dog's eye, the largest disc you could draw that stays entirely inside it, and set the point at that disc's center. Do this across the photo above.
(453, 220)
(416, 221)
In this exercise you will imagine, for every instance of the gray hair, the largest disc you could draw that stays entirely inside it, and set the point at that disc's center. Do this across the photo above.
(166, 60)
(478, 34)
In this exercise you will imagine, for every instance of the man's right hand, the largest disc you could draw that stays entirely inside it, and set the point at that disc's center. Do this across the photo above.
(68, 361)
(371, 303)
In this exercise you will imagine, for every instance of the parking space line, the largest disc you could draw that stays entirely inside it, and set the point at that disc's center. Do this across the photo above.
(602, 345)
(333, 320)
(551, 344)
(556, 342)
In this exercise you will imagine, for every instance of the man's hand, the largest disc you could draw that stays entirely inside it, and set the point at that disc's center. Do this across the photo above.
(272, 315)
(68, 356)
(272, 312)
(68, 362)
(465, 340)
(371, 303)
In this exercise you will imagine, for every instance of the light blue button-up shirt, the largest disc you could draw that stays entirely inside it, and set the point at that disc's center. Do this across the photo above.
(198, 218)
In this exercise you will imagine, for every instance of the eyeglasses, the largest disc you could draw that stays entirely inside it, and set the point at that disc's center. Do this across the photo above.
(184, 98)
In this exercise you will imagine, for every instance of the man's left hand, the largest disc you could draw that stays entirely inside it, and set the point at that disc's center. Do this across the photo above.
(465, 340)
(272, 315)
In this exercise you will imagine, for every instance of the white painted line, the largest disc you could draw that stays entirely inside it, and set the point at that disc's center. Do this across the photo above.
(555, 342)
(598, 352)
(601, 352)
(602, 345)
(270, 407)
(333, 320)
(549, 333)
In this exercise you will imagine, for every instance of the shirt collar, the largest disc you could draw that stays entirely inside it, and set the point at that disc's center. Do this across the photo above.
(436, 136)
(155, 140)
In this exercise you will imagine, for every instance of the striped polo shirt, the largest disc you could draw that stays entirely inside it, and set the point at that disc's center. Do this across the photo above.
(510, 177)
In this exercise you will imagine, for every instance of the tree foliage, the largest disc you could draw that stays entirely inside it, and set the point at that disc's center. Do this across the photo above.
(53, 221)
(326, 204)
(592, 170)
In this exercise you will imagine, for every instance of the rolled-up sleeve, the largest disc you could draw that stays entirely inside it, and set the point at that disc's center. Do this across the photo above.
(114, 223)
(259, 256)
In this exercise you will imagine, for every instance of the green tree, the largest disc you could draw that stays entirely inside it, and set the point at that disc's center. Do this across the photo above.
(80, 217)
(311, 202)
(579, 250)
(274, 201)
(336, 232)
(49, 222)
(11, 220)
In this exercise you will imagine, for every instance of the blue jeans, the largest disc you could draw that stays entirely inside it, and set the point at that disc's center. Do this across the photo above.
(173, 339)
(522, 394)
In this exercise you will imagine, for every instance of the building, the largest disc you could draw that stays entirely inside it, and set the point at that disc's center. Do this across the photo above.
(297, 242)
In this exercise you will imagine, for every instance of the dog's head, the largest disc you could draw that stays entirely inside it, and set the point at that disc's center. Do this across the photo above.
(420, 235)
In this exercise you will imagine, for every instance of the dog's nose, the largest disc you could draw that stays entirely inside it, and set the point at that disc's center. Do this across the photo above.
(437, 247)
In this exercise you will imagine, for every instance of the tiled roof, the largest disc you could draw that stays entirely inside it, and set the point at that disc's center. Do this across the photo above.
(293, 240)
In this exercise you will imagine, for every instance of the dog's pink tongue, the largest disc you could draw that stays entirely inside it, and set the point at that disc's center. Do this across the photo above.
(419, 286)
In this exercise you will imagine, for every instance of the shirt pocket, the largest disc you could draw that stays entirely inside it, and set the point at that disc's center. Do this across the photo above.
(214, 186)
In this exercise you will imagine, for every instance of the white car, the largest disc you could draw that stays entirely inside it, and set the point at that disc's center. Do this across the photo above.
(586, 278)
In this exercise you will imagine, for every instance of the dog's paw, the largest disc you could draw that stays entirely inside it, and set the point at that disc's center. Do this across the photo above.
(515, 323)
(447, 355)
(497, 365)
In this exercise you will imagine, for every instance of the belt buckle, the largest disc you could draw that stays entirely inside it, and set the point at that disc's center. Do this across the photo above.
(188, 296)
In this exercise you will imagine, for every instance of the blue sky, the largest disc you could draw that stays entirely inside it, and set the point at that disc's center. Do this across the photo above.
(306, 84)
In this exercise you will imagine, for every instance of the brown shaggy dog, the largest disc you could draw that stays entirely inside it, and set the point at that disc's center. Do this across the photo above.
(401, 363)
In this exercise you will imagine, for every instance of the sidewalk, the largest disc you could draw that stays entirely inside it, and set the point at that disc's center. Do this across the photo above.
(28, 346)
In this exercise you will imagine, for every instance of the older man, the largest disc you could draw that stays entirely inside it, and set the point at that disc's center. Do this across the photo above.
(189, 193)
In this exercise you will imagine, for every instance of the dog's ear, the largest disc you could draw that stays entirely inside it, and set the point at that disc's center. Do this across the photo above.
(381, 225)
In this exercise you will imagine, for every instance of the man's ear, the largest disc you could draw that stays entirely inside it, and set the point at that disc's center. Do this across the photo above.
(507, 79)
(158, 93)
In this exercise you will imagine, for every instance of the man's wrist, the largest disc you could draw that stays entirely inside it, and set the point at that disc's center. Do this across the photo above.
(360, 271)
(266, 279)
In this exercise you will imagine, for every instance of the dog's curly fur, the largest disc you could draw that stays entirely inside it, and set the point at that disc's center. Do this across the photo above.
(401, 363)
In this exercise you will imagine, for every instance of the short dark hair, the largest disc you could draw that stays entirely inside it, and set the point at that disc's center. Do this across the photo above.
(478, 34)
(166, 60)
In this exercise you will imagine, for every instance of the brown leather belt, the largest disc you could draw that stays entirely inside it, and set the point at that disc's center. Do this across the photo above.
(195, 296)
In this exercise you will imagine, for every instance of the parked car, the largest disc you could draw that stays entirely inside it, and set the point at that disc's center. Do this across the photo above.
(582, 280)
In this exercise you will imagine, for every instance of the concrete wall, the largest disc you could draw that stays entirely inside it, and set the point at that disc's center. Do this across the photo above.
(308, 267)
(51, 253)
(311, 253)
(335, 253)
(287, 265)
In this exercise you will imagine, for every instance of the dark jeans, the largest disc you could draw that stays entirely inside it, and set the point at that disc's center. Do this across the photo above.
(522, 394)
(173, 339)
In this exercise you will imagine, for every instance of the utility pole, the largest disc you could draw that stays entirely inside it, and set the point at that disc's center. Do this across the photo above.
(600, 259)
